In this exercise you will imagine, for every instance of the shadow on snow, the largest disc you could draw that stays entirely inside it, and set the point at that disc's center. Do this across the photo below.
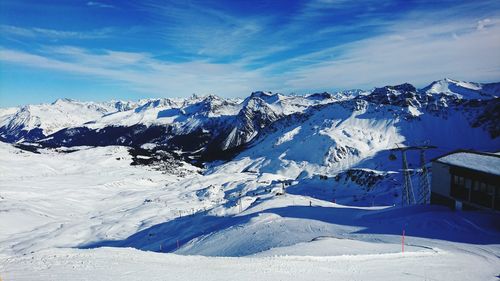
(432, 222)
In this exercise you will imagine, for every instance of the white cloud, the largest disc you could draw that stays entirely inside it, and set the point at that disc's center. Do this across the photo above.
(142, 72)
(481, 25)
(408, 53)
(99, 4)
(54, 34)
(418, 49)
(197, 28)
(405, 54)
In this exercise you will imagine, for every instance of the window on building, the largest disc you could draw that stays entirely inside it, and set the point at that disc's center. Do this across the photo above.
(468, 183)
(482, 194)
(490, 189)
(482, 186)
(477, 187)
(459, 189)
(475, 190)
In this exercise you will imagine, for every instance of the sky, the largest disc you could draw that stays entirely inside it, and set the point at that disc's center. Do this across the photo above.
(128, 50)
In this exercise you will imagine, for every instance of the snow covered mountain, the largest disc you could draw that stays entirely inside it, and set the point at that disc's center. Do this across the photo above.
(308, 177)
(33, 122)
(212, 128)
(463, 90)
(296, 137)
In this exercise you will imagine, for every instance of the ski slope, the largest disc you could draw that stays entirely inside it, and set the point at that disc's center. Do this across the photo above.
(131, 264)
(88, 214)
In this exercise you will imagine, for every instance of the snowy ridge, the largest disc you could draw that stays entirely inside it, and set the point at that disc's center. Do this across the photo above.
(45, 119)
(50, 118)
(463, 90)
(345, 127)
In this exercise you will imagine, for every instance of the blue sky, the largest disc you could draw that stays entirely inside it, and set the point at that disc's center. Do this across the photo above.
(103, 50)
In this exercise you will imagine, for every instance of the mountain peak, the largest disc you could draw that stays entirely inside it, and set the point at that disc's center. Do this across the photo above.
(259, 94)
(449, 80)
(405, 88)
(268, 97)
(256, 110)
(459, 89)
(63, 101)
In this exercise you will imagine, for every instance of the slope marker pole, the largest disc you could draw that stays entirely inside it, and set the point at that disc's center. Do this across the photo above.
(403, 242)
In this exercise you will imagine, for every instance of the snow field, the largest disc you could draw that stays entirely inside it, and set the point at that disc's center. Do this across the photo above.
(57, 210)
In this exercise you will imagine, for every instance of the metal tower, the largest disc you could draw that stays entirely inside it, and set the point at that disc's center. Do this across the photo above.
(408, 196)
(425, 186)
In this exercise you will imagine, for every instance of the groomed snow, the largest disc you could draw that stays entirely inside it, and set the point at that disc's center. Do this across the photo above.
(130, 264)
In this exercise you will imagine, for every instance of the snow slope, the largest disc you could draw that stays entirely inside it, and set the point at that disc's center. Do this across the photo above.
(131, 264)
(62, 199)
(463, 90)
(57, 207)
(355, 135)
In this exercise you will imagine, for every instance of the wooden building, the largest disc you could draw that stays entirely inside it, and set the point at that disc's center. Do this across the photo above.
(466, 180)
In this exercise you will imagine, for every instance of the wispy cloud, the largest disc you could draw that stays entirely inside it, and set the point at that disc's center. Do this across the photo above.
(307, 49)
(141, 70)
(482, 24)
(420, 55)
(197, 28)
(99, 4)
(407, 53)
(36, 32)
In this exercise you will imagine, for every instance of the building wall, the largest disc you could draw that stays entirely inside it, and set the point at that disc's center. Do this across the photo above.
(441, 179)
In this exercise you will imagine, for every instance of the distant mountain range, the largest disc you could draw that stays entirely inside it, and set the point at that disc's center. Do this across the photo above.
(339, 125)
(321, 140)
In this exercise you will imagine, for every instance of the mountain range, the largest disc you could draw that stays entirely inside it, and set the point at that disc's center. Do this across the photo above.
(213, 128)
